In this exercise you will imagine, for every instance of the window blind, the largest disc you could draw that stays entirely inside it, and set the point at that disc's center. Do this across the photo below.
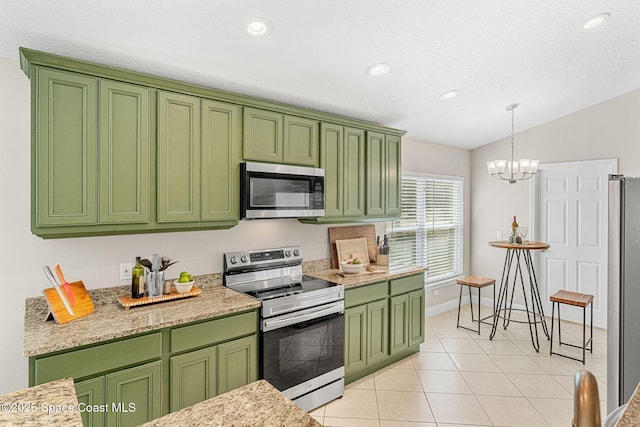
(430, 228)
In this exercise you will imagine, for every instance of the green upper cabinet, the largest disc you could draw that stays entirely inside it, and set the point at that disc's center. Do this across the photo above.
(300, 145)
(384, 175)
(278, 138)
(332, 161)
(221, 152)
(65, 169)
(342, 156)
(178, 158)
(125, 153)
(262, 135)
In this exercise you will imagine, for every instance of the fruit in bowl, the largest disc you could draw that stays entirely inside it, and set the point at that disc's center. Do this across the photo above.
(352, 266)
(184, 283)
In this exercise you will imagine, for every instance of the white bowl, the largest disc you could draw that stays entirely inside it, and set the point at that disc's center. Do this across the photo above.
(351, 268)
(183, 287)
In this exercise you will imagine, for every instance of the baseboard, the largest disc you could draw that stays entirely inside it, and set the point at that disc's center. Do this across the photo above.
(453, 305)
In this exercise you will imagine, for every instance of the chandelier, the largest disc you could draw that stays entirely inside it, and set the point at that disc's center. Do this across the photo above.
(513, 170)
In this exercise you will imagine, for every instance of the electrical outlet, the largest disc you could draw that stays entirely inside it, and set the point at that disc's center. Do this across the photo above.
(436, 293)
(125, 271)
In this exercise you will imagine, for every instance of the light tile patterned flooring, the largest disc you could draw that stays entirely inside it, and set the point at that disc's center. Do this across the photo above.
(459, 378)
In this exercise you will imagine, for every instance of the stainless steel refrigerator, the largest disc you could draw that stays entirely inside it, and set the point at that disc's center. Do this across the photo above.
(623, 311)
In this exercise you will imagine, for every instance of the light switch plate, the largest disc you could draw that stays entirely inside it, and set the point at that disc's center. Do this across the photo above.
(125, 271)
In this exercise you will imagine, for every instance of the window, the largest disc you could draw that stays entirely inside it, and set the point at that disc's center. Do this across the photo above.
(429, 230)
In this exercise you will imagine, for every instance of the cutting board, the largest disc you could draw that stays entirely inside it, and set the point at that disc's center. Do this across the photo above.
(351, 249)
(367, 231)
(82, 306)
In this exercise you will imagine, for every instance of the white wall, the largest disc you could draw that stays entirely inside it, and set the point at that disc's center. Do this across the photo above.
(425, 157)
(607, 130)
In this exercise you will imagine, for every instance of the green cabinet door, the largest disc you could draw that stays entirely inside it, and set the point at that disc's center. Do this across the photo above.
(125, 153)
(263, 135)
(377, 331)
(399, 323)
(237, 363)
(90, 393)
(178, 158)
(134, 395)
(300, 144)
(376, 175)
(416, 317)
(355, 347)
(354, 172)
(332, 161)
(221, 151)
(192, 378)
(393, 171)
(65, 149)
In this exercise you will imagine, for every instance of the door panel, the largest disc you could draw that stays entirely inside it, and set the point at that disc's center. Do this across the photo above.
(193, 378)
(300, 141)
(89, 393)
(237, 363)
(573, 220)
(377, 331)
(221, 146)
(354, 172)
(263, 137)
(178, 158)
(134, 395)
(331, 160)
(124, 153)
(375, 174)
(66, 147)
(355, 358)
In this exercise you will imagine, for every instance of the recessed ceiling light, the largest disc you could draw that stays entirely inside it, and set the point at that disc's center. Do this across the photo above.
(259, 27)
(449, 95)
(594, 21)
(378, 69)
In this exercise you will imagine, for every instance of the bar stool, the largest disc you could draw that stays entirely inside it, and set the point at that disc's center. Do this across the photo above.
(478, 283)
(579, 300)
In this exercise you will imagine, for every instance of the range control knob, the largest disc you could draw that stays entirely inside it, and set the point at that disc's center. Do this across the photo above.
(287, 253)
(233, 260)
(296, 252)
(243, 258)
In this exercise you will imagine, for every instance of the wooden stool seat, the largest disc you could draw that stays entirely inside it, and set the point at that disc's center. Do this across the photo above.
(576, 299)
(478, 283)
(572, 298)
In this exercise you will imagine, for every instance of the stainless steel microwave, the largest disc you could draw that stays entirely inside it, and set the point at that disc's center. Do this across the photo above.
(280, 191)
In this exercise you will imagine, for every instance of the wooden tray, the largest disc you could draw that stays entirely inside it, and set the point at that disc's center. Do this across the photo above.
(128, 302)
(82, 306)
(367, 231)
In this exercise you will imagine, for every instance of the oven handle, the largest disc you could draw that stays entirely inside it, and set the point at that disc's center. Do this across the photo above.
(271, 324)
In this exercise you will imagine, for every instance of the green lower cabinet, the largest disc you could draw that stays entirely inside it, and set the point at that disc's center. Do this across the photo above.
(366, 336)
(237, 363)
(90, 395)
(193, 378)
(399, 323)
(416, 317)
(134, 395)
(355, 347)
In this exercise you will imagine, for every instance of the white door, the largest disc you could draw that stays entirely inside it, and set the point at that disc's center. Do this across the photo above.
(571, 209)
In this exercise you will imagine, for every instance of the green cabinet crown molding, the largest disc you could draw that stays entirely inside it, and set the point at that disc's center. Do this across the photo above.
(30, 58)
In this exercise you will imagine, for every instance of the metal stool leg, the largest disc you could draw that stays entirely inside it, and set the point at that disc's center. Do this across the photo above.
(459, 304)
(553, 310)
(479, 318)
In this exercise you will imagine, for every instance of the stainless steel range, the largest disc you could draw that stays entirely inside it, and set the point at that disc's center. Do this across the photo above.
(301, 323)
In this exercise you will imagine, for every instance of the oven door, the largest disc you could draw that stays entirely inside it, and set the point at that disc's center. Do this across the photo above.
(304, 350)
(281, 191)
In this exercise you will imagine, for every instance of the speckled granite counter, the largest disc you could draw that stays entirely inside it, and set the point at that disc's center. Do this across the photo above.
(256, 404)
(51, 404)
(631, 415)
(110, 320)
(364, 278)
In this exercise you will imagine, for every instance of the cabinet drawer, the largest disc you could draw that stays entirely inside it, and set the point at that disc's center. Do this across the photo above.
(407, 284)
(98, 359)
(365, 294)
(213, 331)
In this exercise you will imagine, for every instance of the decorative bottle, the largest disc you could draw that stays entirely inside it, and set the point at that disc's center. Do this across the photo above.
(137, 280)
(514, 230)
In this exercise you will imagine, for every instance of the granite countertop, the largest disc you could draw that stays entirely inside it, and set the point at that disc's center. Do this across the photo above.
(51, 404)
(364, 277)
(110, 320)
(255, 404)
(631, 415)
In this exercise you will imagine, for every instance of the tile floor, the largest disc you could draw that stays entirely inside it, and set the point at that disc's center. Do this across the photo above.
(459, 378)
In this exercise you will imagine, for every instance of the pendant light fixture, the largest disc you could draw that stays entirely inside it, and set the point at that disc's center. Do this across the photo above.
(513, 170)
